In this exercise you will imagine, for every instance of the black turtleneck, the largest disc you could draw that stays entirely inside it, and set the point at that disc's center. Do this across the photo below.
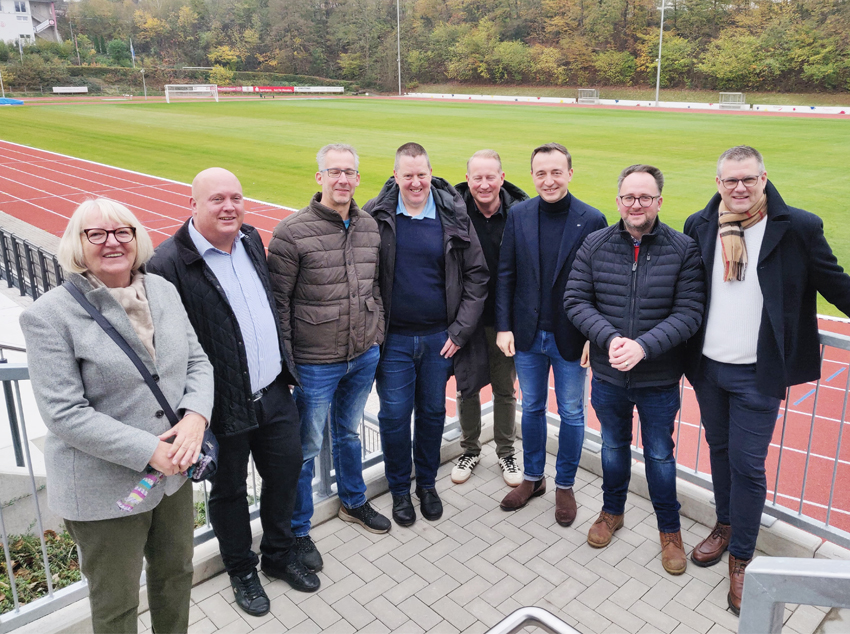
(553, 223)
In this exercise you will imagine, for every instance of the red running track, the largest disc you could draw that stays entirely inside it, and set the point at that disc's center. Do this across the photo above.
(43, 189)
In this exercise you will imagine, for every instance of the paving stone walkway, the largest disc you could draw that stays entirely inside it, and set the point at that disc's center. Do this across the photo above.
(477, 564)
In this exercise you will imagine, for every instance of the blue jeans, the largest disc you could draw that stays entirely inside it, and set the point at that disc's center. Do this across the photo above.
(657, 407)
(412, 377)
(532, 369)
(340, 389)
(739, 423)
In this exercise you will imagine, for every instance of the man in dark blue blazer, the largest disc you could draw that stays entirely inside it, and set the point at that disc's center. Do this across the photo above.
(541, 238)
(765, 263)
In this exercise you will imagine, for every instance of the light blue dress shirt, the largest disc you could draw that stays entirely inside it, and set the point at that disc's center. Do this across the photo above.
(429, 212)
(249, 302)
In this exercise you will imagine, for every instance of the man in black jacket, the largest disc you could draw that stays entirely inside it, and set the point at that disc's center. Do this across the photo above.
(541, 238)
(218, 265)
(488, 197)
(765, 263)
(433, 286)
(636, 292)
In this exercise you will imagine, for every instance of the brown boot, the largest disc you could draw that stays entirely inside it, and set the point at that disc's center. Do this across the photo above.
(673, 556)
(599, 535)
(710, 550)
(737, 567)
(565, 506)
(520, 496)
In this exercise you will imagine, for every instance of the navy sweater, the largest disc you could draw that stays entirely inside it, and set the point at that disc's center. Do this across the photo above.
(553, 222)
(419, 286)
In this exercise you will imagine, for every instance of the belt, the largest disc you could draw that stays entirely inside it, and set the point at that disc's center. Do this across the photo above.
(262, 392)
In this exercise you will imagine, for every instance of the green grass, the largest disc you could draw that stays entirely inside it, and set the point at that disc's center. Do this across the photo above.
(271, 146)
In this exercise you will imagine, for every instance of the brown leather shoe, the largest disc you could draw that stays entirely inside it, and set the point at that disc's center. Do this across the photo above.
(520, 496)
(600, 534)
(710, 550)
(565, 506)
(737, 568)
(673, 556)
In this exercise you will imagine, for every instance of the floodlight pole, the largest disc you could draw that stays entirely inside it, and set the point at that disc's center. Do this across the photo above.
(76, 47)
(2, 88)
(660, 38)
(398, 40)
(144, 85)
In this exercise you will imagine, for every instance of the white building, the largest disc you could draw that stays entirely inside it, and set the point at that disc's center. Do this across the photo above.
(25, 19)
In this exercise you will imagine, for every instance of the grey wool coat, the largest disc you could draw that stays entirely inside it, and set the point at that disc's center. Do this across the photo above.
(102, 418)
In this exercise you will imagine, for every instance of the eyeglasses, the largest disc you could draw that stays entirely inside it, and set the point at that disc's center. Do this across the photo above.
(643, 201)
(335, 172)
(100, 236)
(732, 183)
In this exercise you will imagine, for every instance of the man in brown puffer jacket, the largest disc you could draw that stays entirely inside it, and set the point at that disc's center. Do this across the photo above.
(324, 263)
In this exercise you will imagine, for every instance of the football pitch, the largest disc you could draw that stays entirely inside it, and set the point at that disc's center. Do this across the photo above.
(271, 145)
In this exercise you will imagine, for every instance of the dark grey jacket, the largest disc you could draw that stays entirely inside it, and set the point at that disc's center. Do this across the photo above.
(466, 276)
(325, 282)
(178, 261)
(657, 300)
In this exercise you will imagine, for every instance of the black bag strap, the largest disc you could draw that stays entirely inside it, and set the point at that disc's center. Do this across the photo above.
(103, 322)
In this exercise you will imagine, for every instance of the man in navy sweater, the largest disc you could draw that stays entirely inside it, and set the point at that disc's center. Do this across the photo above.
(433, 287)
(540, 241)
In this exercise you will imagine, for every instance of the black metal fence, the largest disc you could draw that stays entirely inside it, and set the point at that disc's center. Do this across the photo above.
(27, 267)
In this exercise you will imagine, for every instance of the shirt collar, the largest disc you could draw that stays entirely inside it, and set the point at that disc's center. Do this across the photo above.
(430, 210)
(202, 244)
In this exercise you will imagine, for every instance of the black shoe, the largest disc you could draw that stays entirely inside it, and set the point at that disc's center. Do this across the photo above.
(403, 511)
(308, 553)
(429, 503)
(297, 575)
(250, 596)
(367, 517)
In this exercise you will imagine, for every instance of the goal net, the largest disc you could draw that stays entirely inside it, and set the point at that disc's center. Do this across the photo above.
(732, 101)
(190, 91)
(588, 95)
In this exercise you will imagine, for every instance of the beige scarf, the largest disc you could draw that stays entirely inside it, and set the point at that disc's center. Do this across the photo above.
(732, 241)
(134, 301)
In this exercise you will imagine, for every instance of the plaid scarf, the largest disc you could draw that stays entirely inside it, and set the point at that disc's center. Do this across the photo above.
(732, 241)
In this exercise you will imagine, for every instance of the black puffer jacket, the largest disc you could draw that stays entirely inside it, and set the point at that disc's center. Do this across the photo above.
(657, 300)
(178, 261)
(466, 276)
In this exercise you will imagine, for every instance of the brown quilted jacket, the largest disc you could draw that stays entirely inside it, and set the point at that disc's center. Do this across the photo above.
(325, 283)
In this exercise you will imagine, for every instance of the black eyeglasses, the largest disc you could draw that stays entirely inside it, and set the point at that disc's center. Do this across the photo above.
(100, 236)
(643, 201)
(732, 183)
(335, 172)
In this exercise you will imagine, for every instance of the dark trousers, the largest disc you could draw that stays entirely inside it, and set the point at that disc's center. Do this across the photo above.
(739, 423)
(502, 379)
(412, 377)
(276, 447)
(657, 407)
(112, 552)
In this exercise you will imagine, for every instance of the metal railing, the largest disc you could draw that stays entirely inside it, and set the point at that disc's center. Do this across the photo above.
(803, 467)
(522, 618)
(27, 267)
(771, 582)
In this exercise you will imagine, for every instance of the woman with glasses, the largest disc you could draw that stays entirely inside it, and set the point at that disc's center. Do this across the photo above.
(106, 430)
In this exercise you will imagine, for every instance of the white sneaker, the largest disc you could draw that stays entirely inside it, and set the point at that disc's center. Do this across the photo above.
(463, 469)
(510, 471)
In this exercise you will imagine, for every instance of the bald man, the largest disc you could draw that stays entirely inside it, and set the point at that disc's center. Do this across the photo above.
(218, 265)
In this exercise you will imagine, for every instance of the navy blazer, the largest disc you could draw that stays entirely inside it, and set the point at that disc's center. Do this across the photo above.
(794, 264)
(518, 291)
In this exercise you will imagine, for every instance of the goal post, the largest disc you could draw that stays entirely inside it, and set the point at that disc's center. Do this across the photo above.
(588, 95)
(190, 91)
(732, 101)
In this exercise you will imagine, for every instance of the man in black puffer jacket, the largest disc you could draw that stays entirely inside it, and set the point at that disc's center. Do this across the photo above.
(636, 291)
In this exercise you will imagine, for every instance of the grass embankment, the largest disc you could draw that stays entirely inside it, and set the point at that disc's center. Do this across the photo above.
(271, 145)
(643, 93)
